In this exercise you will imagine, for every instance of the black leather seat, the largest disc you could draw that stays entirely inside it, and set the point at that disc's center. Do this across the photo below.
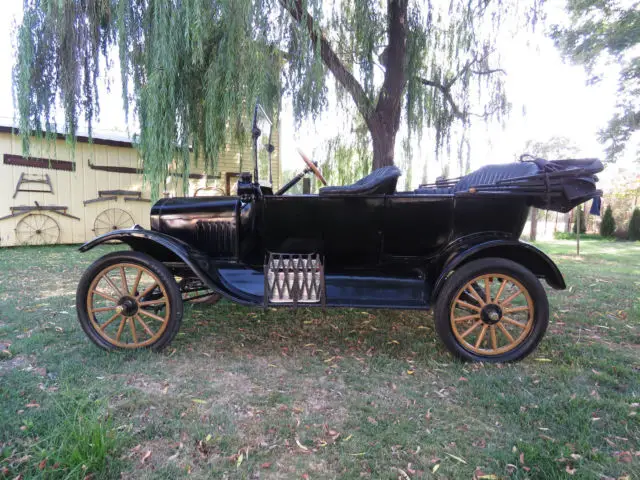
(379, 182)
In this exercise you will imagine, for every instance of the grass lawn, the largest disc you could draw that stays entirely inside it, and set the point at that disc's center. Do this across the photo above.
(246, 394)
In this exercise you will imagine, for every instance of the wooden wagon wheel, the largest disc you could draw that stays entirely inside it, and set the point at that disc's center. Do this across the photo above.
(112, 219)
(37, 229)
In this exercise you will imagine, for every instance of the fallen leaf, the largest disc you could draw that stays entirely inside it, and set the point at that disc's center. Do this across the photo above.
(410, 372)
(625, 457)
(372, 420)
(302, 447)
(266, 465)
(42, 464)
(197, 400)
(146, 456)
(32, 405)
(461, 460)
(435, 468)
(570, 470)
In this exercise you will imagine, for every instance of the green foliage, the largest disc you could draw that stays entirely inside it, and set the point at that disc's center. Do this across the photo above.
(572, 236)
(348, 158)
(579, 213)
(634, 225)
(192, 69)
(608, 225)
(609, 31)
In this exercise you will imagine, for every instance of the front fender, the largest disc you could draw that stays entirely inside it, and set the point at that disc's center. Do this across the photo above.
(520, 252)
(155, 244)
(165, 248)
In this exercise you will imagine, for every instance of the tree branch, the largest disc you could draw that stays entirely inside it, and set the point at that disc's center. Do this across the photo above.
(329, 57)
(446, 92)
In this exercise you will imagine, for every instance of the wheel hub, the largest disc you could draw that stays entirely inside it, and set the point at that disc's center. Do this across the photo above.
(128, 306)
(491, 314)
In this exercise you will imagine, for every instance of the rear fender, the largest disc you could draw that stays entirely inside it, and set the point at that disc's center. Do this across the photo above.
(523, 253)
(165, 248)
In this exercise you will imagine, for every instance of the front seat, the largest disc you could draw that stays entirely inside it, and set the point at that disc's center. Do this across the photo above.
(379, 182)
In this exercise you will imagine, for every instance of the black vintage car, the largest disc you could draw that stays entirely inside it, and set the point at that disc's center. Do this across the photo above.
(452, 247)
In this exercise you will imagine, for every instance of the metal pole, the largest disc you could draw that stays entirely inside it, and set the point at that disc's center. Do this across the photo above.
(578, 231)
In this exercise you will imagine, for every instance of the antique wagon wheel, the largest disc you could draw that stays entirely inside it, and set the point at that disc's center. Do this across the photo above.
(112, 219)
(129, 300)
(37, 229)
(492, 309)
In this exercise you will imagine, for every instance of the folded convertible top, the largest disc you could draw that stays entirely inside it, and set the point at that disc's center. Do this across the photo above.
(558, 185)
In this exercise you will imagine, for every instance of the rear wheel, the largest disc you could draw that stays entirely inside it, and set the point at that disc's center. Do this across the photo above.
(492, 310)
(128, 300)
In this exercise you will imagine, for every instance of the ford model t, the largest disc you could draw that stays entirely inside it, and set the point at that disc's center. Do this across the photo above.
(452, 247)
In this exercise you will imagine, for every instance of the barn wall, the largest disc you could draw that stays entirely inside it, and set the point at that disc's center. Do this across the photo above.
(72, 188)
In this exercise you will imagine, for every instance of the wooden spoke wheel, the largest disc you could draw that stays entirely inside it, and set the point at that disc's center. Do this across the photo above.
(37, 229)
(128, 300)
(112, 219)
(492, 309)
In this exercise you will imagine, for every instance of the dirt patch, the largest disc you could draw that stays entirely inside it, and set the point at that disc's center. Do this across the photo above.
(19, 362)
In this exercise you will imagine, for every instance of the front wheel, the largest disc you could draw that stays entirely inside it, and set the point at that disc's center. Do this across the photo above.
(128, 300)
(492, 310)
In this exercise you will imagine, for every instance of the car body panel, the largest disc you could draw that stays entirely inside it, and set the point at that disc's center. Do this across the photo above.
(378, 251)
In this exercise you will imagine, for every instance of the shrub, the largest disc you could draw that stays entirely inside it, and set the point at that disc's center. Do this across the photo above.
(634, 225)
(608, 225)
(583, 226)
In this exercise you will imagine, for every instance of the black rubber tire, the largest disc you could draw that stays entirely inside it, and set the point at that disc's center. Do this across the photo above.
(472, 270)
(174, 297)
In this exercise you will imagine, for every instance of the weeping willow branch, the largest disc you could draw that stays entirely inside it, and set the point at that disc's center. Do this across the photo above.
(329, 57)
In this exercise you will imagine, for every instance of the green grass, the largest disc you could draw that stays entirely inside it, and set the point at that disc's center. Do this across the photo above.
(245, 394)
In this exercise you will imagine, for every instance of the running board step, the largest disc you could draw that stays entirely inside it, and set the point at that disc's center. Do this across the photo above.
(291, 278)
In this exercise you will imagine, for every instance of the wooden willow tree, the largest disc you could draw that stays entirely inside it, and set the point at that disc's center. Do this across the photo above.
(191, 68)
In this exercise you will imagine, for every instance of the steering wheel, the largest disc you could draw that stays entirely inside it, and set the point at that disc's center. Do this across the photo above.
(313, 167)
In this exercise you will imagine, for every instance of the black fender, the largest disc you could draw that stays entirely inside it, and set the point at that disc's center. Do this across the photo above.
(520, 252)
(165, 248)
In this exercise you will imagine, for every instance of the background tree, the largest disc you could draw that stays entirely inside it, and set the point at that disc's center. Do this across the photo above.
(607, 32)
(555, 148)
(608, 225)
(634, 225)
(193, 67)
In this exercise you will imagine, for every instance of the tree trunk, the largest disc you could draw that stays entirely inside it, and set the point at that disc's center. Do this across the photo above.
(383, 138)
(534, 224)
(383, 120)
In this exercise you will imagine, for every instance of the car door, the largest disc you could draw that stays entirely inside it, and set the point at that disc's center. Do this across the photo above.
(346, 230)
(416, 225)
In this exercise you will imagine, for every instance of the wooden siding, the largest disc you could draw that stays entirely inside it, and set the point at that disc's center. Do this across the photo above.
(73, 188)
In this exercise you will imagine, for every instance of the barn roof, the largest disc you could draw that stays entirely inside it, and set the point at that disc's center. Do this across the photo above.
(112, 139)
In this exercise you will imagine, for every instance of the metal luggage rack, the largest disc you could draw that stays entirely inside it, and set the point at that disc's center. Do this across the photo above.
(292, 278)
